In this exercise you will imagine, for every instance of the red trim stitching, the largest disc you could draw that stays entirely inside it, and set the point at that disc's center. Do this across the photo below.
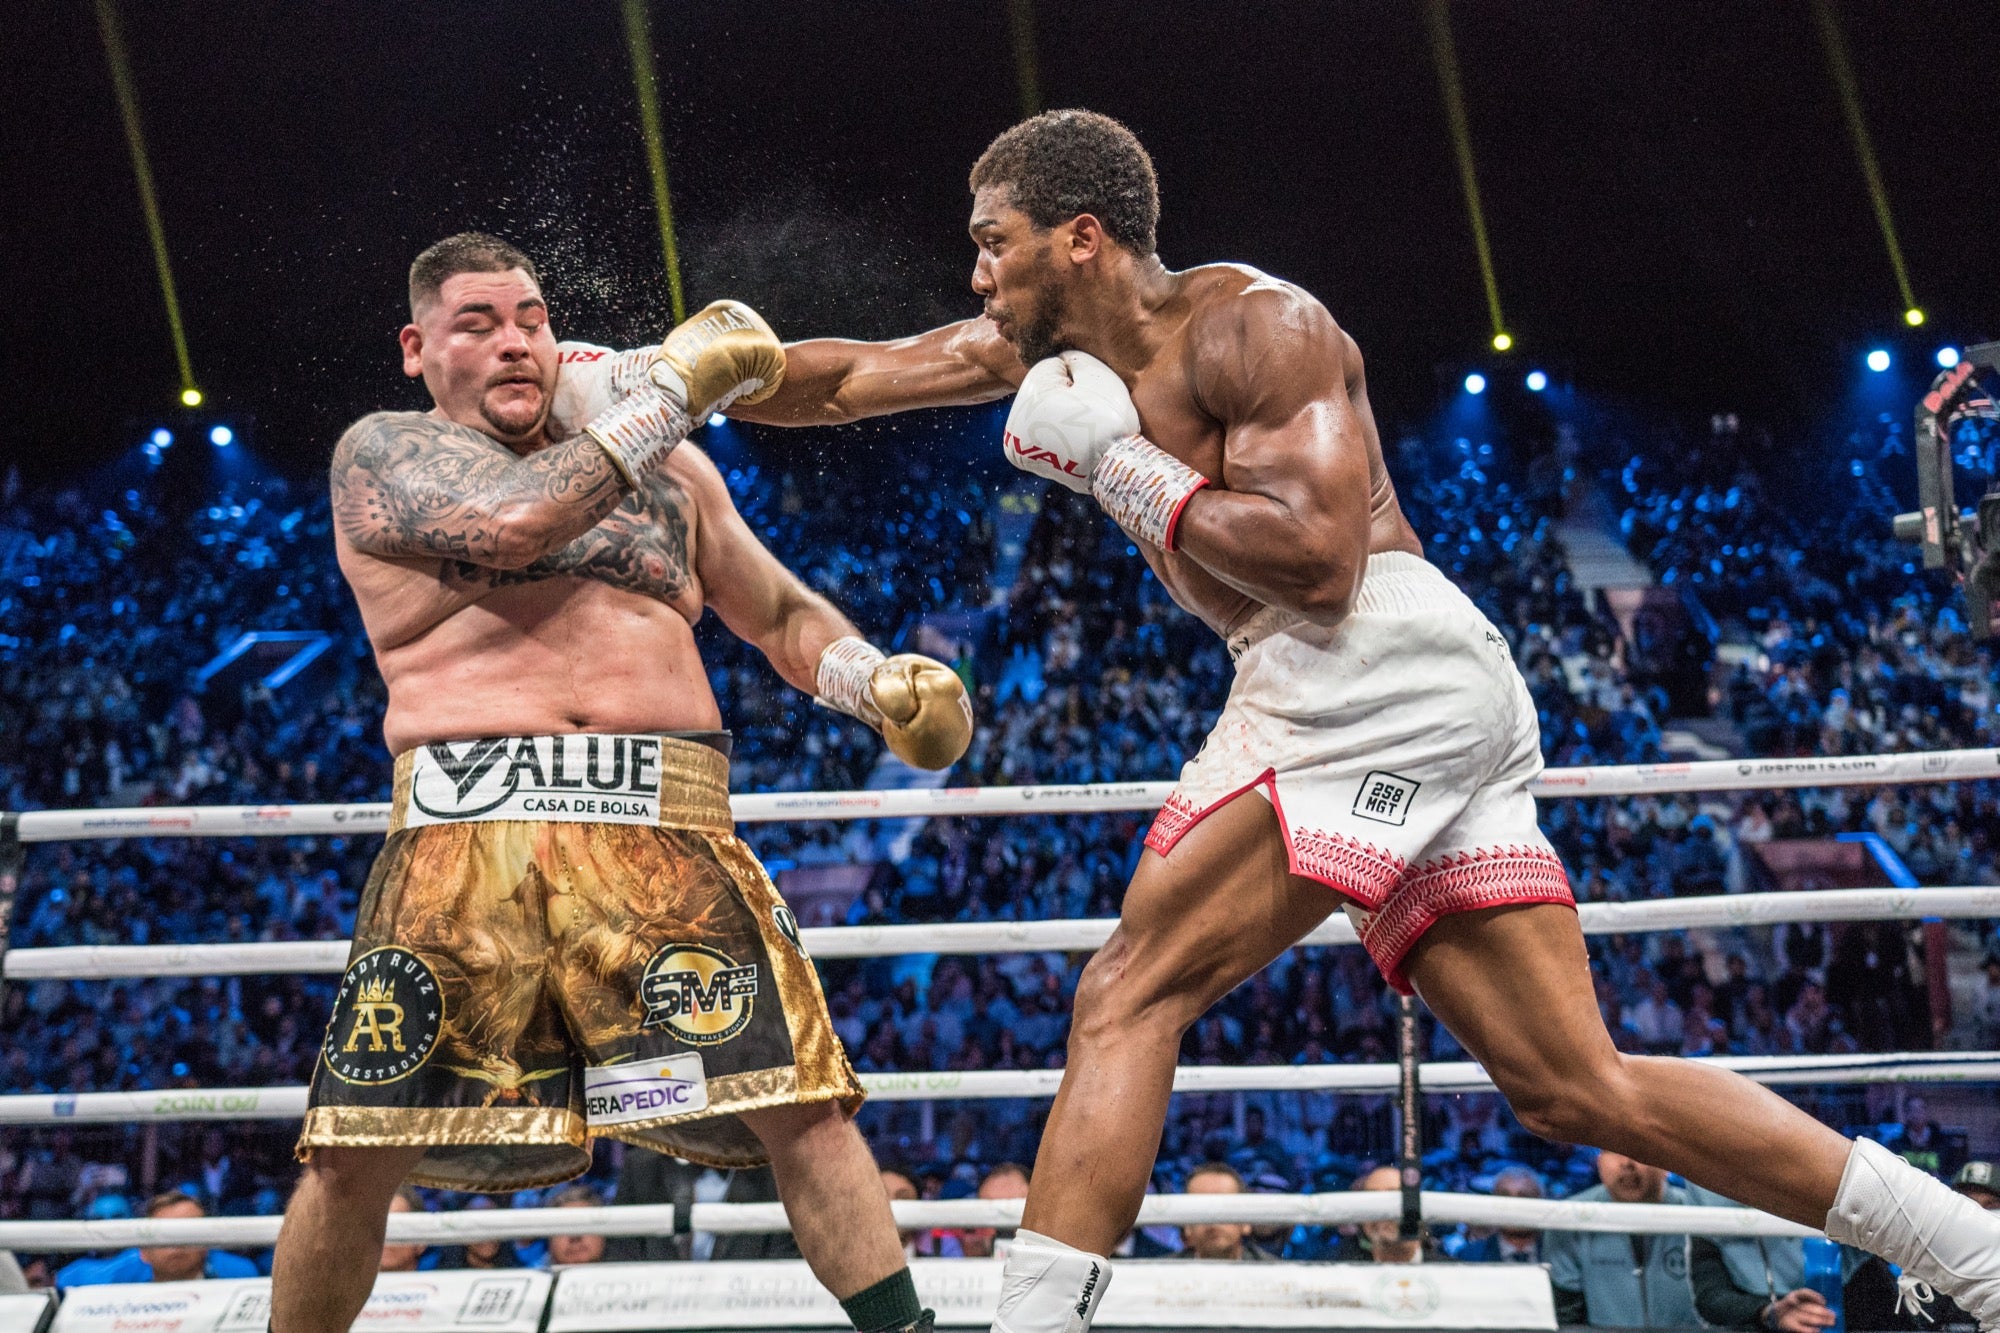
(1359, 869)
(1462, 882)
(1178, 814)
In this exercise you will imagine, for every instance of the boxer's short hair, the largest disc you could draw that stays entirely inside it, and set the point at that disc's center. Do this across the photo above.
(467, 252)
(1062, 163)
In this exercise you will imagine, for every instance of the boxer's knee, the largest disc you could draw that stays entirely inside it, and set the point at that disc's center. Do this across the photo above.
(360, 1177)
(1124, 994)
(1571, 1102)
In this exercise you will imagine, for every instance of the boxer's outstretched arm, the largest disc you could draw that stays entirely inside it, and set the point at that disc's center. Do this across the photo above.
(1288, 523)
(411, 484)
(763, 603)
(829, 381)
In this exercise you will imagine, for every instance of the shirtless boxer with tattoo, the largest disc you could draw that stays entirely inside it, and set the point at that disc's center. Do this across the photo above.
(562, 938)
(1375, 750)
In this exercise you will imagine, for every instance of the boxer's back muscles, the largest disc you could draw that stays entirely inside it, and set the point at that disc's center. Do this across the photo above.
(511, 595)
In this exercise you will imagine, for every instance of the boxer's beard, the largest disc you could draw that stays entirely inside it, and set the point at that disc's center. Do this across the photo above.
(514, 421)
(1037, 340)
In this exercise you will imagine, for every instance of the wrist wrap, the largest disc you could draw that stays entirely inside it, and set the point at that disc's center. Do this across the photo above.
(638, 429)
(845, 668)
(1144, 488)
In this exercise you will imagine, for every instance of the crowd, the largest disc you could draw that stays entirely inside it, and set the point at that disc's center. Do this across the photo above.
(1814, 633)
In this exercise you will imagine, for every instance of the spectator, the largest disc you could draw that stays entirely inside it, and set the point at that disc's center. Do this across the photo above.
(402, 1258)
(1508, 1245)
(1758, 1282)
(159, 1263)
(479, 1253)
(567, 1250)
(1219, 1240)
(1009, 1180)
(1383, 1240)
(1617, 1280)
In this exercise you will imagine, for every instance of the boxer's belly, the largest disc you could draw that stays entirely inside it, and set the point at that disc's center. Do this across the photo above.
(591, 660)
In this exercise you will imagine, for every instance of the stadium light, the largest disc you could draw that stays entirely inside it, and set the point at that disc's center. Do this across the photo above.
(1878, 360)
(1913, 316)
(190, 397)
(221, 436)
(1947, 357)
(1475, 383)
(1502, 341)
(163, 438)
(716, 418)
(1537, 381)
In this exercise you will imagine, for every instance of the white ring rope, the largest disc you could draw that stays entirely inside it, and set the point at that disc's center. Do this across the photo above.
(1334, 1209)
(277, 821)
(1442, 1076)
(96, 962)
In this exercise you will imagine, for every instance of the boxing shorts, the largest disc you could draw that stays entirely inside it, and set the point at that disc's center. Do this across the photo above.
(1396, 748)
(563, 939)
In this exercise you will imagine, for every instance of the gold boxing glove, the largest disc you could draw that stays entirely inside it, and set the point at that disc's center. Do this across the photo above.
(725, 353)
(916, 702)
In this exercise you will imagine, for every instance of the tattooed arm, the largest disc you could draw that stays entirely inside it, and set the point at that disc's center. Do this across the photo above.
(414, 485)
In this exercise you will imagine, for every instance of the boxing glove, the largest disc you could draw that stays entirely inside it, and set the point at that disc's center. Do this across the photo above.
(916, 702)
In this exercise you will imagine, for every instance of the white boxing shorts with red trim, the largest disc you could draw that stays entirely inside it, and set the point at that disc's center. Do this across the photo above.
(1396, 748)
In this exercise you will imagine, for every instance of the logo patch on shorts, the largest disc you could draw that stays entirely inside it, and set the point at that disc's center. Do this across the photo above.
(645, 1089)
(1385, 798)
(702, 995)
(386, 1019)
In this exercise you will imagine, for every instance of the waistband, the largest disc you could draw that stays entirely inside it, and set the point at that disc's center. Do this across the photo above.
(671, 780)
(1393, 583)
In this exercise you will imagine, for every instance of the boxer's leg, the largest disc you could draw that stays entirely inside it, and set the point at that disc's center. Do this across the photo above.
(1513, 985)
(832, 1193)
(330, 1245)
(1194, 926)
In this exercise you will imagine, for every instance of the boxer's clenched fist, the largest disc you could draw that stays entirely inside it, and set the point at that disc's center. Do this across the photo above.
(1073, 422)
(724, 353)
(1068, 411)
(916, 702)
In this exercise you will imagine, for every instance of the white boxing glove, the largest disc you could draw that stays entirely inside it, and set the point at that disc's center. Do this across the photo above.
(1073, 422)
(589, 379)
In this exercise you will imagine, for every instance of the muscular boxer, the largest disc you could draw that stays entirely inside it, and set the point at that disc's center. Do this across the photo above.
(562, 938)
(1375, 750)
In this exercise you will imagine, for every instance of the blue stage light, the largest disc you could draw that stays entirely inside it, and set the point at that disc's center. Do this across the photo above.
(221, 436)
(163, 438)
(716, 418)
(1947, 357)
(1475, 383)
(1878, 360)
(1537, 381)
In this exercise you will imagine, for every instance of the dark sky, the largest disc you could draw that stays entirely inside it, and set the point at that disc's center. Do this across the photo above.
(1675, 207)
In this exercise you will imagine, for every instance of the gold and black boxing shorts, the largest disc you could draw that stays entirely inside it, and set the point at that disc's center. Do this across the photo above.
(563, 938)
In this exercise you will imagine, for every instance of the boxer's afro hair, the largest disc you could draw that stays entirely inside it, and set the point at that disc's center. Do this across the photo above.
(467, 252)
(1062, 163)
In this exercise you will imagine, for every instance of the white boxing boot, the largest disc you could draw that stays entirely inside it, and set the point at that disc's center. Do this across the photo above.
(1939, 1238)
(1049, 1287)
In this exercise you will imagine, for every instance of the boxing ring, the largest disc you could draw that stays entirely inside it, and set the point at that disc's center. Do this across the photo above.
(1164, 1293)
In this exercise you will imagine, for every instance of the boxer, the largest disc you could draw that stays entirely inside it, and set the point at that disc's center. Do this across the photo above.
(1375, 751)
(562, 938)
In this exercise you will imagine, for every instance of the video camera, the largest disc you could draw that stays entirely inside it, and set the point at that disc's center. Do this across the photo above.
(1966, 541)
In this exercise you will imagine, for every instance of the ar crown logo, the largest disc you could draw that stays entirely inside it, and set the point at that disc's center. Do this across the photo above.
(376, 1013)
(386, 1019)
(702, 995)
